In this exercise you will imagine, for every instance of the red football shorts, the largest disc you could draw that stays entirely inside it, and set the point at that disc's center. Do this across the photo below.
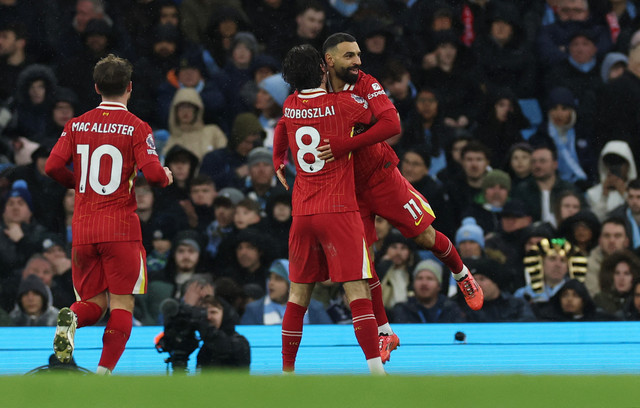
(323, 246)
(119, 267)
(395, 200)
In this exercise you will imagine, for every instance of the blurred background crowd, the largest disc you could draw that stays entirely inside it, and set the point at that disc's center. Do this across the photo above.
(520, 125)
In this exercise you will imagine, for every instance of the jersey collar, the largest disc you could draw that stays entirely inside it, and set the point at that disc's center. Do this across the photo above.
(112, 106)
(311, 93)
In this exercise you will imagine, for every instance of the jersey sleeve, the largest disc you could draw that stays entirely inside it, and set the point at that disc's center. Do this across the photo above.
(64, 146)
(144, 146)
(280, 144)
(371, 90)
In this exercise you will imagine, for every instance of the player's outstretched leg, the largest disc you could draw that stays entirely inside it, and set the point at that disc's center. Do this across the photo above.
(65, 332)
(443, 249)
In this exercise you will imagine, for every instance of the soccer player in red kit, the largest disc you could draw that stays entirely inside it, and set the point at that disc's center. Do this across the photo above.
(380, 187)
(107, 146)
(327, 237)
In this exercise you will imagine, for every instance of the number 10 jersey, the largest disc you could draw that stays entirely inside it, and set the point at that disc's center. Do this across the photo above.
(106, 145)
(311, 117)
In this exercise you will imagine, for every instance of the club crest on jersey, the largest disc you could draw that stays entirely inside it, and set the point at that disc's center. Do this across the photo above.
(376, 86)
(360, 100)
(63, 134)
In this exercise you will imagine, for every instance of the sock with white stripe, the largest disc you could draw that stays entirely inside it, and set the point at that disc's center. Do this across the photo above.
(444, 250)
(291, 334)
(366, 329)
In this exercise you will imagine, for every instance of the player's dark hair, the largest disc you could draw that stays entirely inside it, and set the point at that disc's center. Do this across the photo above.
(112, 75)
(334, 39)
(302, 67)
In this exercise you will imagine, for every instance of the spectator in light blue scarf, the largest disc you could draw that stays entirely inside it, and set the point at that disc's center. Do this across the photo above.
(576, 161)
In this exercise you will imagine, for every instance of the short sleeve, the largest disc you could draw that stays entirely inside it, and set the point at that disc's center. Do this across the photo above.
(371, 90)
(144, 146)
(64, 146)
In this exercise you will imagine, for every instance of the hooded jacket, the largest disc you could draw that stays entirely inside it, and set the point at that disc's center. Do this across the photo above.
(224, 347)
(48, 315)
(29, 119)
(553, 311)
(196, 137)
(599, 203)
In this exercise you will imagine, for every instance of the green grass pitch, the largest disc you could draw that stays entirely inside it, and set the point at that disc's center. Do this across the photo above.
(242, 390)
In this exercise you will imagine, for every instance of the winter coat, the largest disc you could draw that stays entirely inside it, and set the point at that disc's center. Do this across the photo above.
(412, 311)
(600, 204)
(195, 137)
(48, 315)
(224, 347)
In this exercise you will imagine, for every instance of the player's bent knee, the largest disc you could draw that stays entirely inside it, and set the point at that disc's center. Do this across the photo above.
(427, 239)
(125, 302)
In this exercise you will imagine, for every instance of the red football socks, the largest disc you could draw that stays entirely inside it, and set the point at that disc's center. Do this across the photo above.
(365, 327)
(88, 313)
(444, 250)
(376, 299)
(115, 337)
(291, 334)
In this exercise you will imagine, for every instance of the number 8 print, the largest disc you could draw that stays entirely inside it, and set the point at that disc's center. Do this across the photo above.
(310, 148)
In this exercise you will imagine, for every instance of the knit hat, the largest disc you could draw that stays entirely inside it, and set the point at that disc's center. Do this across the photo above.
(514, 208)
(561, 96)
(470, 231)
(489, 268)
(51, 240)
(275, 86)
(496, 177)
(98, 26)
(19, 189)
(281, 268)
(245, 124)
(247, 39)
(188, 237)
(192, 60)
(260, 155)
(429, 265)
(228, 197)
(165, 32)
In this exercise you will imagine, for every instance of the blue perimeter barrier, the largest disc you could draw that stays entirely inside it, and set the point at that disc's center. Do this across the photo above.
(490, 348)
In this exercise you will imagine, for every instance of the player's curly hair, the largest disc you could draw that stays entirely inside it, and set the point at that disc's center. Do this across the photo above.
(112, 75)
(302, 67)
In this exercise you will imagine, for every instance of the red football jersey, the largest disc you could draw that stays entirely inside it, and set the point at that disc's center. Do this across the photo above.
(106, 145)
(311, 117)
(370, 159)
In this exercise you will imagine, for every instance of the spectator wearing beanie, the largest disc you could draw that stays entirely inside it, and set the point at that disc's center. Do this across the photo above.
(22, 236)
(272, 92)
(228, 166)
(470, 239)
(487, 206)
(499, 305)
(427, 305)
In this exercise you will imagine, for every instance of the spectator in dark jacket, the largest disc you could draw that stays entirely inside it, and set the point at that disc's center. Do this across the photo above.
(572, 303)
(428, 305)
(499, 305)
(222, 346)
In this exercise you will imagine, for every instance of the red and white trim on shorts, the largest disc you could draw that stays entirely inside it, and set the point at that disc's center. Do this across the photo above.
(138, 288)
(366, 266)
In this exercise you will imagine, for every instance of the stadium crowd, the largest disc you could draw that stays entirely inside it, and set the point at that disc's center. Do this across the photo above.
(520, 125)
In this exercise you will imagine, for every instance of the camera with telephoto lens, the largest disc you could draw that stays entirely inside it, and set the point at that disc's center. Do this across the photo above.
(181, 321)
